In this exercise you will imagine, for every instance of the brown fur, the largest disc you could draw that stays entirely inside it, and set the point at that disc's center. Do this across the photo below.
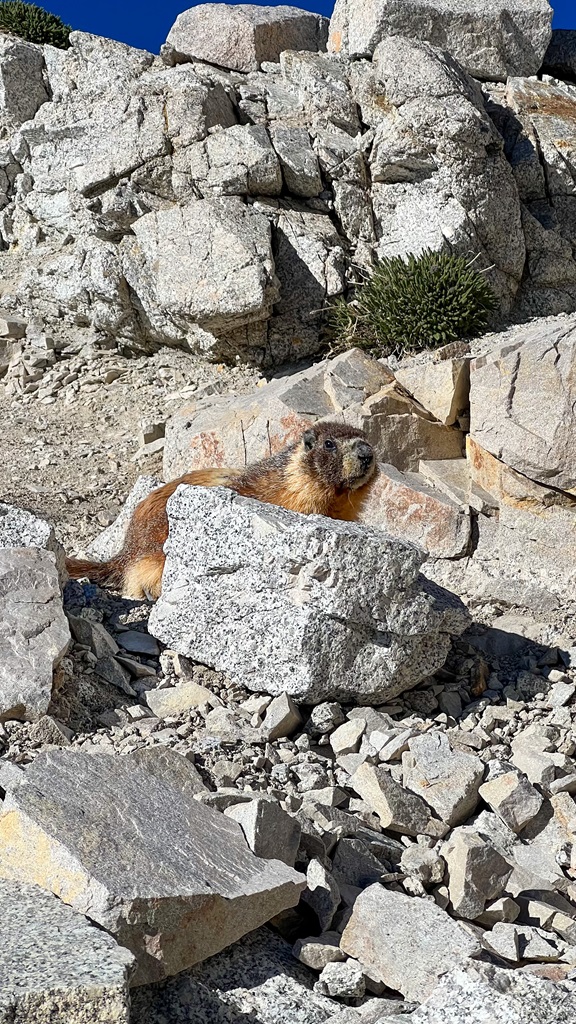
(322, 473)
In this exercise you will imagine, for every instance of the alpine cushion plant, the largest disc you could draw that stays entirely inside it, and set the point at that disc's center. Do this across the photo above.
(33, 23)
(407, 305)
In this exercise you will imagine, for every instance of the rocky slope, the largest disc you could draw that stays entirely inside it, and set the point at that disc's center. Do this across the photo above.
(328, 778)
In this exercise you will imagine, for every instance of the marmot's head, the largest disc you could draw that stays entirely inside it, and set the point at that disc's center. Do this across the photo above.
(338, 454)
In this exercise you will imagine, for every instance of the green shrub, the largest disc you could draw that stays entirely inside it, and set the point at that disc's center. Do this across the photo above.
(33, 23)
(407, 305)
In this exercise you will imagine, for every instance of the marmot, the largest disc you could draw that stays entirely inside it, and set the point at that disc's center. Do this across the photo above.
(317, 474)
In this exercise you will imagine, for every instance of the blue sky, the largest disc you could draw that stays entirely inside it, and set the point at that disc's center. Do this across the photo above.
(145, 24)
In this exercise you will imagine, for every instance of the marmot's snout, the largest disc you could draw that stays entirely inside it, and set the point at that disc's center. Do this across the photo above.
(365, 454)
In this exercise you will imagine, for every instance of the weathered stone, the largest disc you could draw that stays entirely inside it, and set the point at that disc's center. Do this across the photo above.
(70, 826)
(506, 38)
(257, 979)
(270, 832)
(239, 160)
(282, 718)
(342, 980)
(509, 997)
(93, 635)
(317, 951)
(507, 389)
(448, 780)
(354, 864)
(241, 36)
(428, 191)
(397, 808)
(405, 507)
(502, 909)
(112, 672)
(441, 383)
(406, 943)
(236, 431)
(55, 965)
(522, 942)
(206, 264)
(304, 602)
(22, 84)
(426, 865)
(21, 529)
(138, 642)
(322, 893)
(346, 738)
(401, 431)
(477, 871)
(177, 700)
(34, 633)
(298, 160)
(513, 799)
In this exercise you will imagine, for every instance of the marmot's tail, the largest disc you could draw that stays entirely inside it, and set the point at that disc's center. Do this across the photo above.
(110, 573)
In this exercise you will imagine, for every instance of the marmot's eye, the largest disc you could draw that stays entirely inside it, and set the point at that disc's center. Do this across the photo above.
(329, 444)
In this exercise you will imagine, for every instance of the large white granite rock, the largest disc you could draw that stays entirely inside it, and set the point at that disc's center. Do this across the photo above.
(317, 608)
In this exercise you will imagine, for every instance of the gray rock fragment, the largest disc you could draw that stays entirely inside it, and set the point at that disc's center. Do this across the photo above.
(242, 36)
(322, 893)
(270, 832)
(512, 797)
(55, 965)
(491, 41)
(342, 980)
(406, 943)
(508, 997)
(34, 633)
(448, 780)
(477, 871)
(123, 840)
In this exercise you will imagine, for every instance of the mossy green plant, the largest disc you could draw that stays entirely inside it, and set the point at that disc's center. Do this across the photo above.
(407, 305)
(33, 24)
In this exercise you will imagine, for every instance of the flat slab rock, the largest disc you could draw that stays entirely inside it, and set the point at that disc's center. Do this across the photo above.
(34, 632)
(57, 968)
(406, 943)
(317, 608)
(122, 840)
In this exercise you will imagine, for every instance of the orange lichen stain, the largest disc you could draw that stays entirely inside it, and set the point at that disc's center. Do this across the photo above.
(335, 41)
(28, 854)
(206, 450)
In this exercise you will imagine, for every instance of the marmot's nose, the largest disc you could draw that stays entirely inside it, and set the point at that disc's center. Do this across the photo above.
(365, 453)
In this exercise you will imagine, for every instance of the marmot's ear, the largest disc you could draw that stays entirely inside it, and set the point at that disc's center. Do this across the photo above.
(309, 439)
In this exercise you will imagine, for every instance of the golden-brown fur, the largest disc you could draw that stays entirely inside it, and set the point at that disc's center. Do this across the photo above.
(322, 473)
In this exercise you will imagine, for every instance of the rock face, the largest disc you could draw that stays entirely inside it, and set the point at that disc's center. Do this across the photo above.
(405, 507)
(388, 931)
(70, 827)
(352, 388)
(508, 37)
(208, 264)
(34, 633)
(55, 965)
(241, 36)
(124, 176)
(508, 390)
(317, 608)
